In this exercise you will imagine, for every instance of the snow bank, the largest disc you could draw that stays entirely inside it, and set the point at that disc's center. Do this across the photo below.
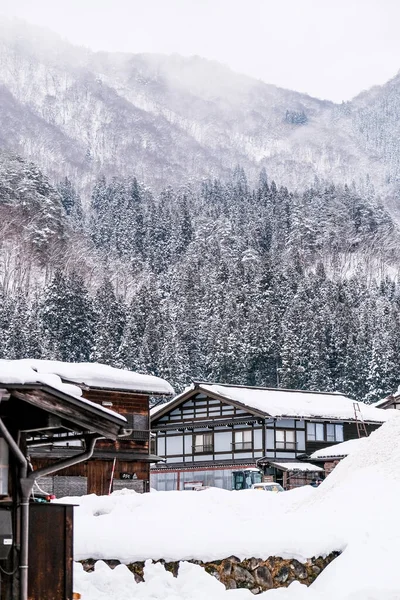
(353, 511)
(206, 525)
(214, 523)
(193, 583)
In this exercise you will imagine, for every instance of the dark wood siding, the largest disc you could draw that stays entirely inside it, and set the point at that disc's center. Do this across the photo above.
(135, 407)
(98, 472)
(349, 433)
(50, 552)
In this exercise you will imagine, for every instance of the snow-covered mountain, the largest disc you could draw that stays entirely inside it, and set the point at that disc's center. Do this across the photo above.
(169, 119)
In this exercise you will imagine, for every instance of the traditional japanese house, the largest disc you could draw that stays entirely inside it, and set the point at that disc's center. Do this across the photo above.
(124, 462)
(36, 545)
(211, 430)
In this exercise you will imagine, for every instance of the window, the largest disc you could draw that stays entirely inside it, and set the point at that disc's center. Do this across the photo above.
(330, 433)
(285, 439)
(319, 432)
(243, 440)
(203, 442)
(315, 432)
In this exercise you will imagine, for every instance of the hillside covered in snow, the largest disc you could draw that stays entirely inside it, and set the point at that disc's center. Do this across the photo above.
(168, 120)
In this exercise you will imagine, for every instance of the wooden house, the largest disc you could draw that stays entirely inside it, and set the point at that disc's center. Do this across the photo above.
(36, 545)
(392, 401)
(212, 429)
(124, 462)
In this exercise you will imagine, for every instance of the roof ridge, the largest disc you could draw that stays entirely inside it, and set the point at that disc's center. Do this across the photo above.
(268, 389)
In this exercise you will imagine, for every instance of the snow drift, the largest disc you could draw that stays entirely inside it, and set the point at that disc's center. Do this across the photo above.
(353, 511)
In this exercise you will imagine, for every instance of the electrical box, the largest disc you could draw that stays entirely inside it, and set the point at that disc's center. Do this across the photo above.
(6, 537)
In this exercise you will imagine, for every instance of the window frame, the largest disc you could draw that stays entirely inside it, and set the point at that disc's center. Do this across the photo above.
(204, 448)
(285, 444)
(240, 445)
(335, 435)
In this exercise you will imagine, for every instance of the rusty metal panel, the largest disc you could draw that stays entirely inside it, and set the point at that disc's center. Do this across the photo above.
(50, 552)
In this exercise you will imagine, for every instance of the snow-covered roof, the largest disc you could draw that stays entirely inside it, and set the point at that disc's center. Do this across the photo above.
(94, 375)
(20, 372)
(279, 403)
(382, 402)
(296, 466)
(339, 450)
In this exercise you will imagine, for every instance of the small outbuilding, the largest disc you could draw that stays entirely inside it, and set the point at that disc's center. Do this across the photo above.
(36, 547)
(115, 464)
(331, 456)
(290, 473)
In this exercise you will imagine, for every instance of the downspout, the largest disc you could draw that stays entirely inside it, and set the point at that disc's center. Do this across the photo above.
(23, 470)
(27, 483)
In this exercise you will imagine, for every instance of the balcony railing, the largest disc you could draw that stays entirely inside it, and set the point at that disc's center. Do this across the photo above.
(242, 445)
(202, 448)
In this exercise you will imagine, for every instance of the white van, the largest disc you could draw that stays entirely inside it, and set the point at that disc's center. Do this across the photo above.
(269, 486)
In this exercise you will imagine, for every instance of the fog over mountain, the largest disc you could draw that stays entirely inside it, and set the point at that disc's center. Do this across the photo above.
(168, 120)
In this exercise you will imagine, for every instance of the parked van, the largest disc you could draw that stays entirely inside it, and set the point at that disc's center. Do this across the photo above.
(269, 486)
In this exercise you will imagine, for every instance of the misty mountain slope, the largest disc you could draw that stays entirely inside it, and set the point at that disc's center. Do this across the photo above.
(169, 119)
(24, 132)
(376, 121)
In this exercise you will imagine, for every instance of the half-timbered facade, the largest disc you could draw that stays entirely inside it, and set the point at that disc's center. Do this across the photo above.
(211, 429)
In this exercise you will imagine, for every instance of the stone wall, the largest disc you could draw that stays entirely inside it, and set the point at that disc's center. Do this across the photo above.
(254, 574)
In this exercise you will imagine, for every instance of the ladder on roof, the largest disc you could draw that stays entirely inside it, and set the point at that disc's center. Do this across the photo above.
(361, 427)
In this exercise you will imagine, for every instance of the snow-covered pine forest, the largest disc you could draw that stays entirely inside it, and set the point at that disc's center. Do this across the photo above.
(218, 281)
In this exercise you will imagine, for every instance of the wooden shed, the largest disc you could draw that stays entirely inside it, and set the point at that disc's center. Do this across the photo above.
(115, 464)
(36, 551)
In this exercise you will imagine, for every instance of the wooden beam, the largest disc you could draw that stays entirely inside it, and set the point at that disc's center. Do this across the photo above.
(79, 415)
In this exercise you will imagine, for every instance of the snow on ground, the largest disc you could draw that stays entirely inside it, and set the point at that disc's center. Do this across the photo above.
(354, 510)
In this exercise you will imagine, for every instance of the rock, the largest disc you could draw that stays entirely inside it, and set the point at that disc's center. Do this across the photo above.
(226, 568)
(212, 570)
(263, 578)
(230, 584)
(243, 577)
(233, 559)
(316, 569)
(254, 563)
(299, 570)
(282, 575)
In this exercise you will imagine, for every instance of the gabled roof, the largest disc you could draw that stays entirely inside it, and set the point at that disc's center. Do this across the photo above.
(280, 403)
(88, 374)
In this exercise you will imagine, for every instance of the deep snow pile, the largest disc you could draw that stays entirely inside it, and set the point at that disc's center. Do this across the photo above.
(192, 583)
(354, 511)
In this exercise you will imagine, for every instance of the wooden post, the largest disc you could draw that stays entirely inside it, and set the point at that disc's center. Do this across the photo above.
(112, 476)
